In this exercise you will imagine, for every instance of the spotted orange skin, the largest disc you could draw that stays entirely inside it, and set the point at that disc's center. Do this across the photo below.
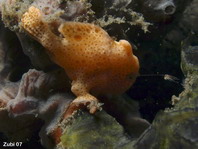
(94, 62)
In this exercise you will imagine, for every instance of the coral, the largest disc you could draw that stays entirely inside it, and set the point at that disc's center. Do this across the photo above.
(92, 60)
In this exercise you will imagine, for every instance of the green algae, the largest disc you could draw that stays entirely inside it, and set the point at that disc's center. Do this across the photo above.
(93, 131)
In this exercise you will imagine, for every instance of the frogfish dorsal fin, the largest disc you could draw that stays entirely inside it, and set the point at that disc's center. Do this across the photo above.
(78, 31)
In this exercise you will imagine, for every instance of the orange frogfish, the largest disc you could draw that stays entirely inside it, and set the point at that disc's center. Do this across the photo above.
(95, 63)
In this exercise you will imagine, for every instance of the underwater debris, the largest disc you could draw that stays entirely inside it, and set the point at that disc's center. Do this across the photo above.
(93, 60)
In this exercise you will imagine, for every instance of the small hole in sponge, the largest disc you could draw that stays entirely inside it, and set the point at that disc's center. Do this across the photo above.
(78, 37)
